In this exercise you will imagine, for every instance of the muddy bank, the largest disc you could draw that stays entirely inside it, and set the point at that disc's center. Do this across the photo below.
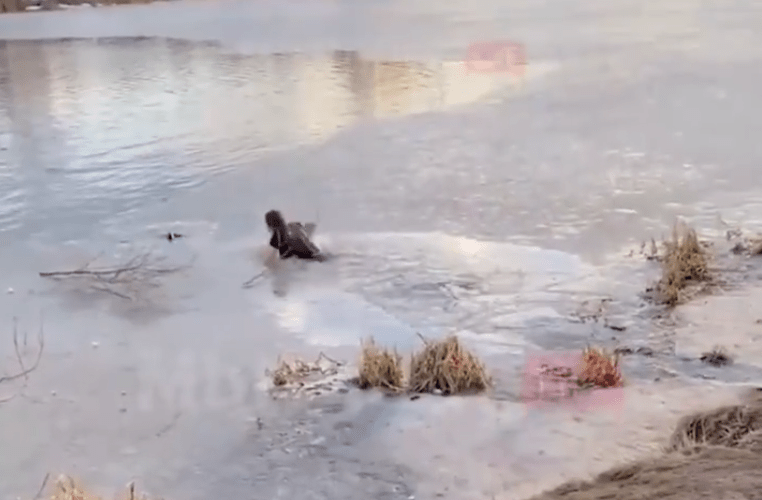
(713, 454)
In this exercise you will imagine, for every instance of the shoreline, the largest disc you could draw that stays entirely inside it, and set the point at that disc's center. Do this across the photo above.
(507, 444)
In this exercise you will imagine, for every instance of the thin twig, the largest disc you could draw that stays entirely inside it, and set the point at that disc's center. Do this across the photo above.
(42, 487)
(169, 426)
(87, 264)
(253, 279)
(139, 262)
(112, 292)
(89, 272)
(16, 348)
(323, 355)
(25, 372)
(5, 400)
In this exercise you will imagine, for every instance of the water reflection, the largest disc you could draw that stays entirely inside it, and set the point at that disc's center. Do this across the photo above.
(98, 127)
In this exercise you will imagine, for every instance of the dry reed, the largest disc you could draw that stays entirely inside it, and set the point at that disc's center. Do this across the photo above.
(298, 371)
(67, 488)
(685, 262)
(380, 368)
(728, 426)
(599, 368)
(445, 366)
(714, 454)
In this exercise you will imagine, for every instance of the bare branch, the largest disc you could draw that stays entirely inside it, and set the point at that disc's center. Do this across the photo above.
(142, 269)
(112, 292)
(42, 487)
(104, 272)
(25, 372)
(253, 279)
(5, 400)
(16, 348)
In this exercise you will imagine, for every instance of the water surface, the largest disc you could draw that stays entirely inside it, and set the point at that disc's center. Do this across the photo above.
(482, 204)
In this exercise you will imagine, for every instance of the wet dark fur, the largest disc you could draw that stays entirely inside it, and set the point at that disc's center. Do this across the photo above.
(292, 239)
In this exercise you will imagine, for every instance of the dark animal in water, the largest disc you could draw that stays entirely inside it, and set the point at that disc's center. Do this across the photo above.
(292, 239)
(173, 236)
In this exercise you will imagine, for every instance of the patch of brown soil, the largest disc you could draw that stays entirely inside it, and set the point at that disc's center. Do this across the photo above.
(446, 366)
(379, 368)
(713, 454)
(685, 262)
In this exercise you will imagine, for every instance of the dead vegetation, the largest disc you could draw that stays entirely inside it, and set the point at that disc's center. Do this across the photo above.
(562, 377)
(127, 281)
(750, 246)
(756, 248)
(717, 357)
(66, 488)
(298, 378)
(728, 426)
(722, 473)
(684, 262)
(299, 372)
(380, 368)
(714, 454)
(23, 370)
(445, 366)
(599, 368)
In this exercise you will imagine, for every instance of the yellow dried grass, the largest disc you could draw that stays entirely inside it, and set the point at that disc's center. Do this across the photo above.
(685, 262)
(730, 426)
(380, 368)
(599, 368)
(297, 371)
(66, 488)
(713, 454)
(446, 366)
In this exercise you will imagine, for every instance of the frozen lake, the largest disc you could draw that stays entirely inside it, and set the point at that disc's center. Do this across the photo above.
(488, 204)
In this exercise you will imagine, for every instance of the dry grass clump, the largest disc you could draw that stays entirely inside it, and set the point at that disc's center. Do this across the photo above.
(684, 262)
(728, 426)
(600, 368)
(380, 368)
(718, 456)
(718, 356)
(298, 372)
(66, 488)
(445, 366)
(720, 473)
(288, 373)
